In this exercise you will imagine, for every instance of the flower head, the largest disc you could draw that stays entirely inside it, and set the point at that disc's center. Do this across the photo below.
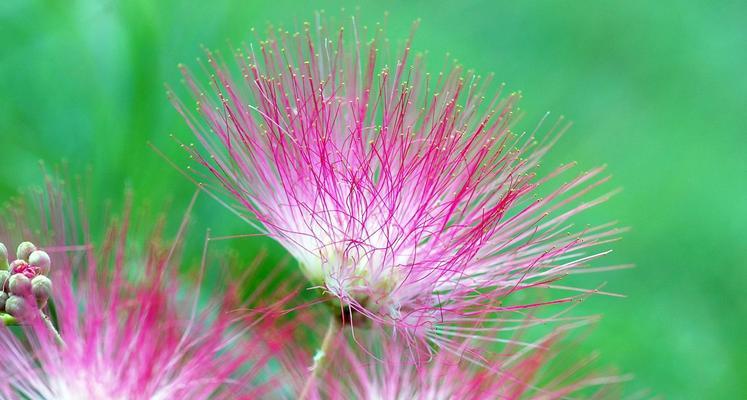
(388, 373)
(119, 325)
(407, 196)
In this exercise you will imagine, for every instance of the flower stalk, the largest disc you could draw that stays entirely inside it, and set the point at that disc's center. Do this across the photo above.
(52, 330)
(320, 358)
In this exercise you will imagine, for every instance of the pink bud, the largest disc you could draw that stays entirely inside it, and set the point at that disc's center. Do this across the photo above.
(22, 267)
(17, 306)
(3, 256)
(19, 284)
(4, 276)
(40, 259)
(3, 299)
(41, 288)
(24, 250)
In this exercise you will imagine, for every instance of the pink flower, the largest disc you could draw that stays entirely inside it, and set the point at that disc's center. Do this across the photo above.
(390, 374)
(406, 196)
(125, 336)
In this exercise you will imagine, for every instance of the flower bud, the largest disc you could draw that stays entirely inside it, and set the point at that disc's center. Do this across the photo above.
(40, 259)
(17, 306)
(41, 288)
(19, 284)
(4, 276)
(3, 256)
(3, 299)
(24, 250)
(22, 267)
(17, 265)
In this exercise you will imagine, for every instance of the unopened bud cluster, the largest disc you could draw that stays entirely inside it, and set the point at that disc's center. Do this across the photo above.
(24, 281)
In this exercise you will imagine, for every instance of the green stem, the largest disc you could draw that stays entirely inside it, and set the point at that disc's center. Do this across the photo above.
(8, 320)
(52, 329)
(320, 358)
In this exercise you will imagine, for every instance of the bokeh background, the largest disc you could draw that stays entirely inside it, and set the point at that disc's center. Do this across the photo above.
(656, 90)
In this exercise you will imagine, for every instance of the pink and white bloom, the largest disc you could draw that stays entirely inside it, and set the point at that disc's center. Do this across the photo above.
(405, 195)
(390, 374)
(125, 337)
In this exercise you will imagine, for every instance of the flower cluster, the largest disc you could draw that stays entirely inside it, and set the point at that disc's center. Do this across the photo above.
(407, 197)
(24, 284)
(114, 337)
(384, 370)
(446, 377)
(412, 204)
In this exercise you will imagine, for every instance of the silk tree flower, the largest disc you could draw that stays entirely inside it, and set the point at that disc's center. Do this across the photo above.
(408, 197)
(388, 373)
(125, 337)
(448, 377)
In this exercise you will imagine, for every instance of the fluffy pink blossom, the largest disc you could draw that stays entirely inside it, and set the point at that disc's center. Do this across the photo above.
(407, 196)
(128, 330)
(388, 373)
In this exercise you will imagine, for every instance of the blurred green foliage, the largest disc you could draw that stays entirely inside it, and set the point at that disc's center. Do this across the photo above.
(656, 90)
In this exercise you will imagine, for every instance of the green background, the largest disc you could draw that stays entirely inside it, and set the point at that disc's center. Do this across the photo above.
(656, 90)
